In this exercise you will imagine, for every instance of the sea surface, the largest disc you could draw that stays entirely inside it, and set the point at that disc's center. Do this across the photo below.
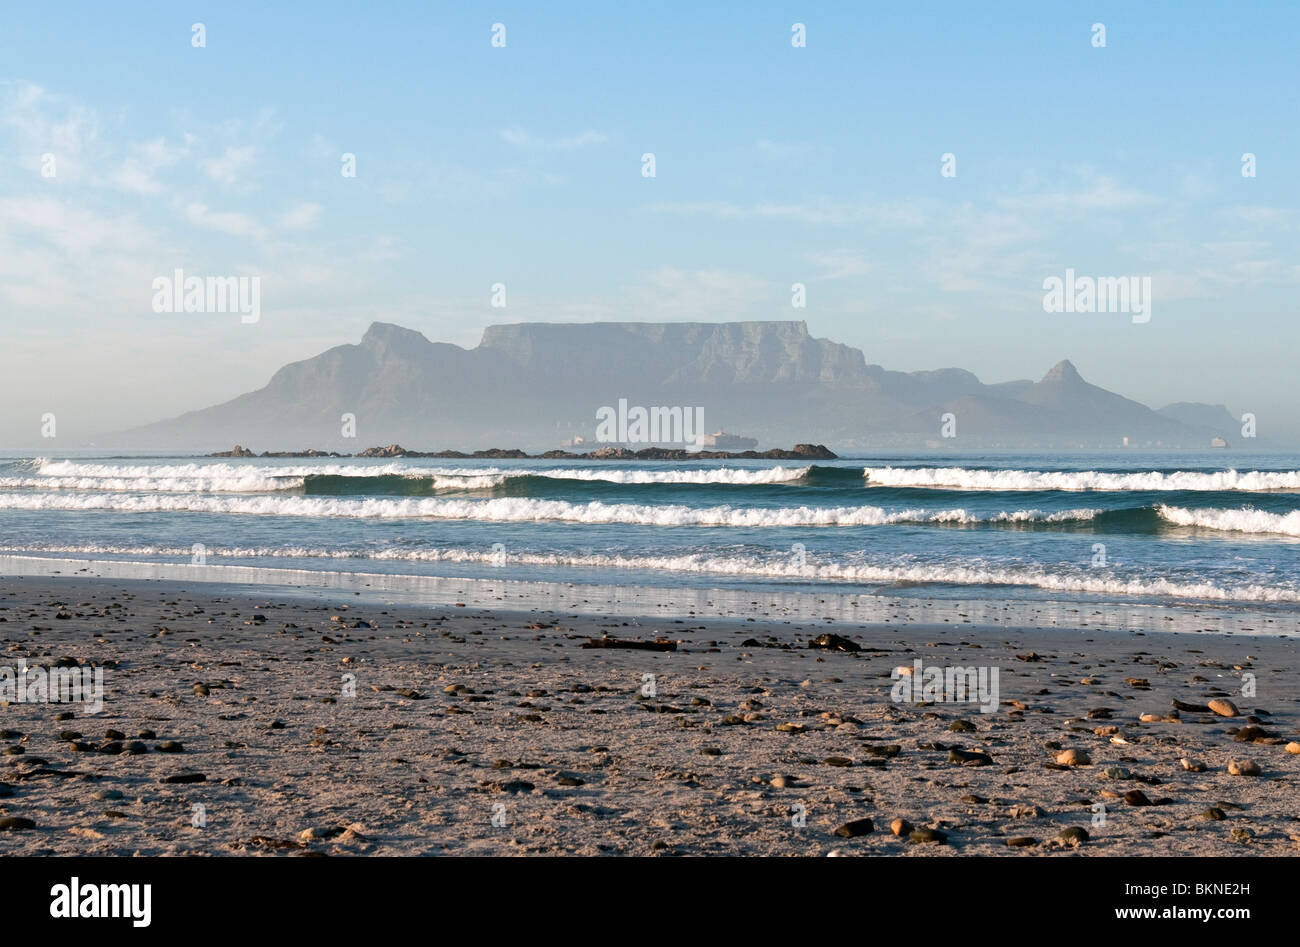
(1213, 529)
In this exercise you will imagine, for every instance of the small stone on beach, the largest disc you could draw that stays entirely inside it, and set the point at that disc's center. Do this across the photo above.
(1243, 768)
(1223, 707)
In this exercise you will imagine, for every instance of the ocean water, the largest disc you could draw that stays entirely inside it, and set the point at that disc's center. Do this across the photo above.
(1216, 529)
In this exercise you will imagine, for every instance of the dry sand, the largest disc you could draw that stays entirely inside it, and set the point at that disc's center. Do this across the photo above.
(493, 732)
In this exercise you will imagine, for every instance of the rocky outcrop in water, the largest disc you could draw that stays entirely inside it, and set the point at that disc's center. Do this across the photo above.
(800, 452)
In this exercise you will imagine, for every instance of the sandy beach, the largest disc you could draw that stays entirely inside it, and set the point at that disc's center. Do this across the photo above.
(255, 722)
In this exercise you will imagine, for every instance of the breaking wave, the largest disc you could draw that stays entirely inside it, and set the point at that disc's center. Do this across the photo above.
(343, 479)
(1245, 520)
(964, 478)
(525, 509)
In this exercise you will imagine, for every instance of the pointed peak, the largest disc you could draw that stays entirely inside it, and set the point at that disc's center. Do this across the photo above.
(1063, 370)
(386, 333)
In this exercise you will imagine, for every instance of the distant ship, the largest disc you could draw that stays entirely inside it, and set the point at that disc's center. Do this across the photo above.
(721, 440)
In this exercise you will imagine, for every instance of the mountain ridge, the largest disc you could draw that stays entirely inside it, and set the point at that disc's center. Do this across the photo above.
(537, 385)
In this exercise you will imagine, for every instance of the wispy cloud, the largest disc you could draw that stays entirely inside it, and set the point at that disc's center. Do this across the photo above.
(231, 166)
(1266, 216)
(138, 174)
(66, 226)
(1101, 193)
(300, 217)
(825, 211)
(671, 293)
(841, 264)
(523, 139)
(228, 222)
(40, 122)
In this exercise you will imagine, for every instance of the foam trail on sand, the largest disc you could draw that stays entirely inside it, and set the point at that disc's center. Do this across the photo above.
(774, 566)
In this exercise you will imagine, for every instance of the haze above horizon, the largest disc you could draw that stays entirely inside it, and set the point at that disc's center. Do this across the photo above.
(523, 166)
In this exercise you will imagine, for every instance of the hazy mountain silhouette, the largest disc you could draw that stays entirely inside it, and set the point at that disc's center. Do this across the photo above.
(534, 385)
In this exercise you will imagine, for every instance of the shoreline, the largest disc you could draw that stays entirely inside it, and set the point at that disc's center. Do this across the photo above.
(748, 741)
(827, 605)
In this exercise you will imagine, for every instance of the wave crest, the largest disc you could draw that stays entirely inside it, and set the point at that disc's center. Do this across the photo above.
(966, 478)
(523, 509)
(264, 478)
(1244, 520)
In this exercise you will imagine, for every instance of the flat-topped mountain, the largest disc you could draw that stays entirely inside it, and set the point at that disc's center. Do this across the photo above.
(540, 384)
(690, 353)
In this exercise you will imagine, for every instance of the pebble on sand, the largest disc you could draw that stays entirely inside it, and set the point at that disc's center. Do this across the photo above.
(856, 828)
(929, 835)
(1223, 707)
(1073, 758)
(834, 643)
(1243, 768)
(184, 778)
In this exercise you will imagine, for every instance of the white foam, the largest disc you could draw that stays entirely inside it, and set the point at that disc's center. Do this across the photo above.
(779, 567)
(519, 510)
(255, 478)
(467, 481)
(1244, 520)
(227, 471)
(963, 478)
(734, 475)
(252, 482)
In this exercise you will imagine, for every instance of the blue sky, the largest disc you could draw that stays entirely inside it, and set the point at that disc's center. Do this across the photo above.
(522, 165)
